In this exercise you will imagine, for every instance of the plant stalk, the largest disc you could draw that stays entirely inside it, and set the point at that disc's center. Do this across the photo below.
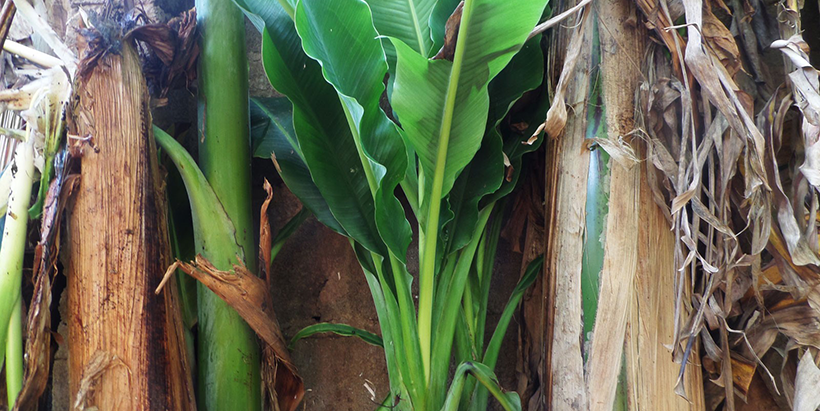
(14, 241)
(428, 269)
(14, 353)
(228, 355)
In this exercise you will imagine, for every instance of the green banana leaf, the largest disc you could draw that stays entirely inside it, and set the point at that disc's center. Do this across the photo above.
(406, 20)
(442, 105)
(272, 134)
(319, 120)
(339, 34)
(388, 312)
(486, 172)
(443, 108)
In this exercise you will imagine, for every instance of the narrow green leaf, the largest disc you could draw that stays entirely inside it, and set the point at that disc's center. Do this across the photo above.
(494, 346)
(486, 377)
(272, 133)
(529, 277)
(389, 315)
(339, 329)
(290, 227)
(449, 312)
(485, 264)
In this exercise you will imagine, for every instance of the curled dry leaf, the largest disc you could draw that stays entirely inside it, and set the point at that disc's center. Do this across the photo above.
(265, 236)
(721, 42)
(448, 50)
(618, 150)
(249, 296)
(557, 113)
(806, 394)
(38, 333)
(806, 87)
(172, 52)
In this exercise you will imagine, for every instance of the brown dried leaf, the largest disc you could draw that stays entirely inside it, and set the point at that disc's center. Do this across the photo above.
(806, 394)
(265, 236)
(250, 297)
(38, 333)
(742, 373)
(173, 51)
(448, 50)
(721, 42)
(806, 86)
(618, 150)
(557, 113)
(799, 322)
(771, 122)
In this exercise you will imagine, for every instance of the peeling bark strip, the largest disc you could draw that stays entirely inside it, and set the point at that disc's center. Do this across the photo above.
(562, 368)
(621, 51)
(651, 370)
(119, 249)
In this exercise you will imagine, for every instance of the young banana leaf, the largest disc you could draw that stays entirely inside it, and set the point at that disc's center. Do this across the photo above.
(332, 61)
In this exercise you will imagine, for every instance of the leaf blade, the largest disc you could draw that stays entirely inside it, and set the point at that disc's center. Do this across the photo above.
(278, 138)
(338, 329)
(339, 34)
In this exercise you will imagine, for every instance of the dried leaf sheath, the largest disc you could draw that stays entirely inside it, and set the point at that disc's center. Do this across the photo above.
(561, 363)
(622, 44)
(119, 249)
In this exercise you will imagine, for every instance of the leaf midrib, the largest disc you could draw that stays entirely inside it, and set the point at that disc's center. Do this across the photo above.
(429, 264)
(417, 26)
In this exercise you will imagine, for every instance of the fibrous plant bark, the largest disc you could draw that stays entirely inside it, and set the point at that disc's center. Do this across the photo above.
(626, 364)
(126, 348)
(567, 166)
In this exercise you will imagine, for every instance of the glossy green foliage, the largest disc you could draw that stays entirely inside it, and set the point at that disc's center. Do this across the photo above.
(353, 61)
(272, 133)
(443, 106)
(374, 120)
(406, 20)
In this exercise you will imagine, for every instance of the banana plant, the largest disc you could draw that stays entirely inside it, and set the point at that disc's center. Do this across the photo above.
(32, 162)
(373, 115)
